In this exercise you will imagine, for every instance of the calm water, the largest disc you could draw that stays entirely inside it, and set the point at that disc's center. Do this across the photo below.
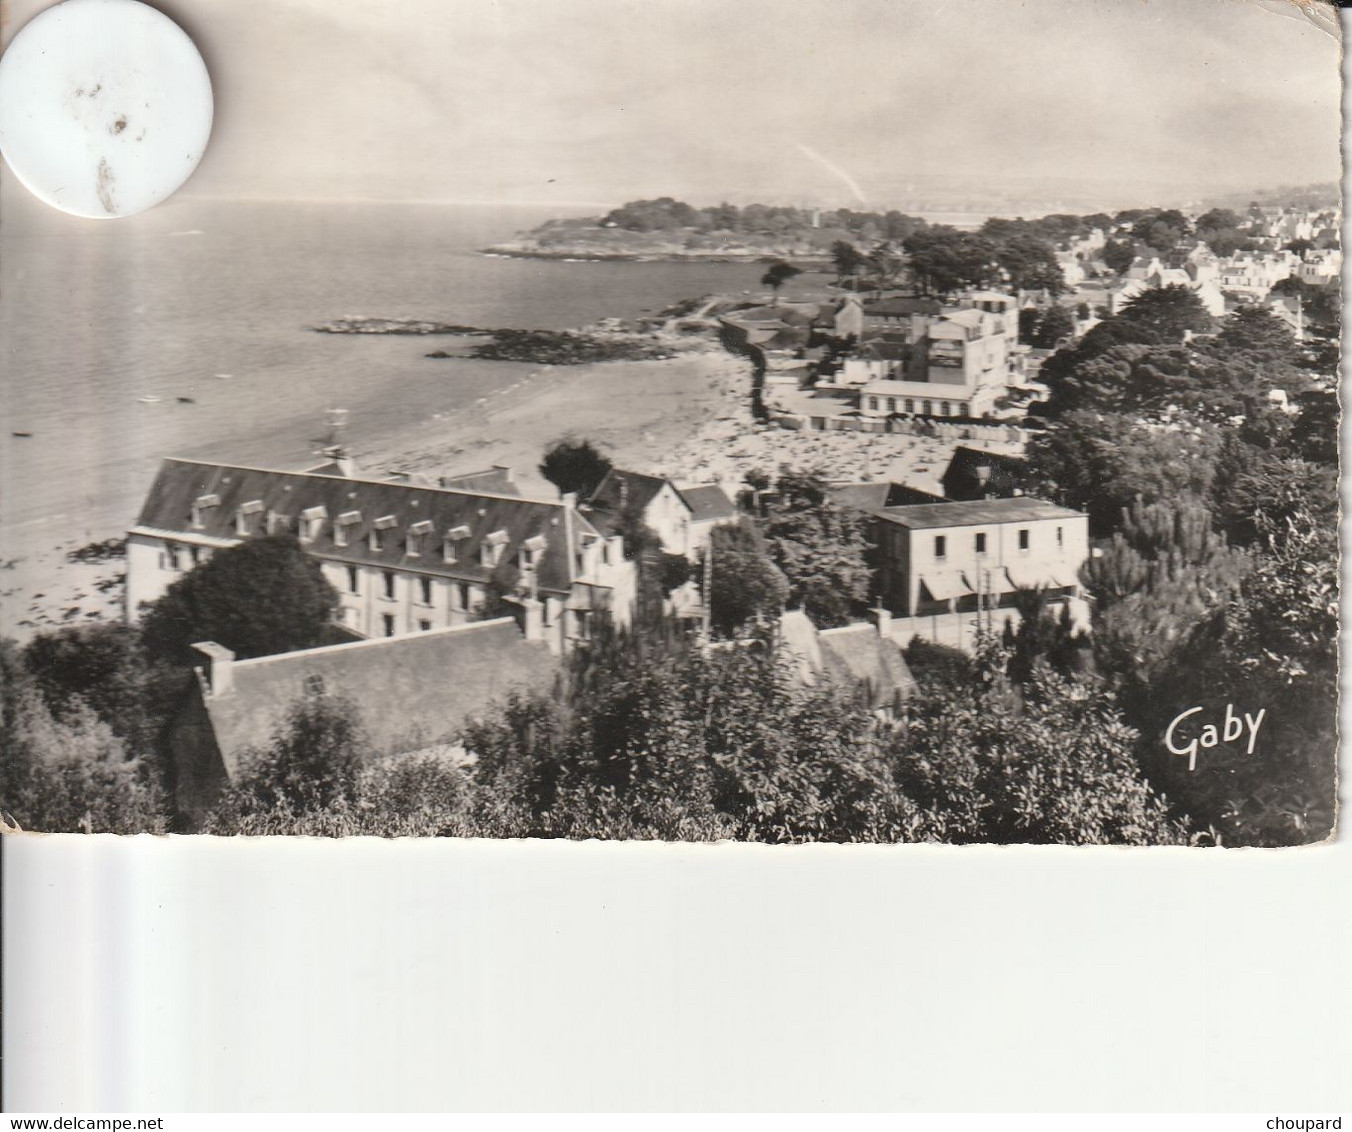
(94, 315)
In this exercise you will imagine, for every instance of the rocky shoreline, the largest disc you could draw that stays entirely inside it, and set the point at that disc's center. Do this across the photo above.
(360, 324)
(584, 254)
(608, 341)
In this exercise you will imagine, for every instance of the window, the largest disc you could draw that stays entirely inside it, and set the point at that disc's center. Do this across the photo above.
(353, 580)
(195, 554)
(463, 593)
(929, 408)
(424, 626)
(388, 620)
(981, 543)
(173, 559)
(416, 534)
(340, 527)
(944, 409)
(425, 590)
(940, 546)
(1023, 539)
(312, 522)
(201, 506)
(962, 408)
(1060, 536)
(388, 578)
(891, 404)
(379, 536)
(245, 523)
(490, 550)
(910, 404)
(873, 403)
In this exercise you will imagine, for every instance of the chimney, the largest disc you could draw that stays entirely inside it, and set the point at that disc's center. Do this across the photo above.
(505, 469)
(534, 620)
(882, 619)
(219, 670)
(570, 500)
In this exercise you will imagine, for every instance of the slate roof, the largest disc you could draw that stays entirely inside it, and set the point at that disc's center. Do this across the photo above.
(619, 486)
(967, 513)
(961, 479)
(874, 495)
(393, 506)
(708, 502)
(858, 655)
(852, 656)
(410, 691)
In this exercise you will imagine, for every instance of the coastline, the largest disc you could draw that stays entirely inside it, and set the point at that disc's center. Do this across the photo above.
(584, 254)
(633, 408)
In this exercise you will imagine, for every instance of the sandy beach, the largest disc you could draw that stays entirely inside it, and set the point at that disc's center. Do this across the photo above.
(687, 418)
(635, 410)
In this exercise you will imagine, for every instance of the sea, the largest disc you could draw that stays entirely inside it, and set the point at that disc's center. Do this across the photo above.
(186, 331)
(106, 325)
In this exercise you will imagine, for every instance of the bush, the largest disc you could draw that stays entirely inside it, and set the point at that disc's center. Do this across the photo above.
(72, 775)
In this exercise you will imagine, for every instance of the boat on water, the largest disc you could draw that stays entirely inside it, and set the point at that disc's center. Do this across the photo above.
(21, 434)
(148, 399)
(186, 400)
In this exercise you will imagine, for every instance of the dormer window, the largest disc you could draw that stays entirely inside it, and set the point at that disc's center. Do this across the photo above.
(532, 550)
(490, 550)
(244, 517)
(312, 522)
(344, 523)
(453, 536)
(277, 522)
(201, 507)
(379, 538)
(416, 534)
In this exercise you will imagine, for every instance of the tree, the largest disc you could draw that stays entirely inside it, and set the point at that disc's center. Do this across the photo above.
(1100, 462)
(943, 259)
(1217, 220)
(101, 666)
(745, 584)
(72, 775)
(1256, 330)
(1314, 436)
(261, 597)
(1273, 646)
(311, 764)
(1162, 230)
(574, 466)
(777, 274)
(821, 547)
(1030, 264)
(847, 260)
(1168, 311)
(1052, 326)
(1052, 764)
(1119, 255)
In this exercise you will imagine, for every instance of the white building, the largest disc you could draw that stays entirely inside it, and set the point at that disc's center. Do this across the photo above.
(404, 558)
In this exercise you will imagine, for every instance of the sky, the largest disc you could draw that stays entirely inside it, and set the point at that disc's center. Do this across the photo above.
(584, 102)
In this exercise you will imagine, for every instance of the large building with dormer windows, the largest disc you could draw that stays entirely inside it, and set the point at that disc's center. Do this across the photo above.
(404, 557)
